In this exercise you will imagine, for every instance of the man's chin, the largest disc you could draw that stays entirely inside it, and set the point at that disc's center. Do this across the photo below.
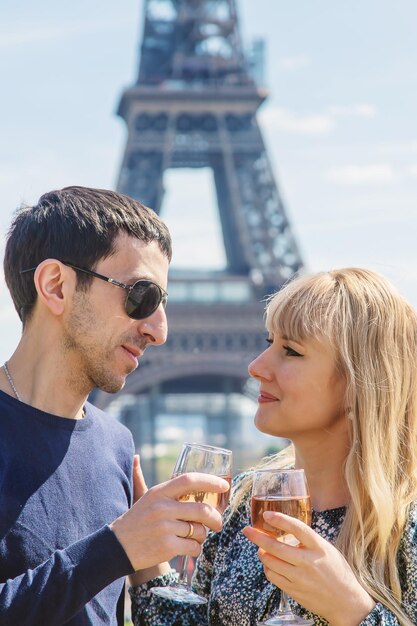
(113, 386)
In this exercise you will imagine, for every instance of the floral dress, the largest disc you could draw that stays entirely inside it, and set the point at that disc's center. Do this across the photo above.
(230, 575)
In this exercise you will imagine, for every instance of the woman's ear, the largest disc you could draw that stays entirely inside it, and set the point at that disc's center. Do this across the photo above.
(54, 282)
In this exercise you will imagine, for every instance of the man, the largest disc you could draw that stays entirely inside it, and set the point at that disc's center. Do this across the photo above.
(87, 271)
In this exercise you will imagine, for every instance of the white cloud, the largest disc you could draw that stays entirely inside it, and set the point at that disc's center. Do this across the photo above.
(30, 34)
(395, 148)
(352, 110)
(390, 218)
(377, 174)
(298, 62)
(412, 170)
(284, 120)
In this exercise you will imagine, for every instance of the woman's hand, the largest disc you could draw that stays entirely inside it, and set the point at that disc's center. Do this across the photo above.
(315, 574)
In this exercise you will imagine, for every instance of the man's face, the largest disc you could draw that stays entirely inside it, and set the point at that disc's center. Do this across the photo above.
(103, 344)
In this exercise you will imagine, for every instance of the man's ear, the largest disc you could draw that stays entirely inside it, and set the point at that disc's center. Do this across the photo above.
(54, 282)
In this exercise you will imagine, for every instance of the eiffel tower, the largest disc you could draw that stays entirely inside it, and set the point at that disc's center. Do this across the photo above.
(194, 105)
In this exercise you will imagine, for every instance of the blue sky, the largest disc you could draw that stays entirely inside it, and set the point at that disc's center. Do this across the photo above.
(339, 124)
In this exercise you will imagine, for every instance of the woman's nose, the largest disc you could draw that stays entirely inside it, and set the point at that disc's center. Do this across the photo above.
(259, 368)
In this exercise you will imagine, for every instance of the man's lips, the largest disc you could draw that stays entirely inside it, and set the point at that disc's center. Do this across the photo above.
(266, 397)
(135, 352)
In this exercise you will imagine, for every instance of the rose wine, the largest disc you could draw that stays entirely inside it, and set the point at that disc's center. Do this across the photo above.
(218, 500)
(298, 507)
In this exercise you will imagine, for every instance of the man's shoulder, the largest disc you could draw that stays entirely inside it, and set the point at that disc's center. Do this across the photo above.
(106, 421)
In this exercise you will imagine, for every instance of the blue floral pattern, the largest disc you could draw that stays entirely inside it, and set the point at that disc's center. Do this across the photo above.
(230, 575)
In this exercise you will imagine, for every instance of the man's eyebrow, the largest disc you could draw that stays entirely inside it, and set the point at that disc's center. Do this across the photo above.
(134, 279)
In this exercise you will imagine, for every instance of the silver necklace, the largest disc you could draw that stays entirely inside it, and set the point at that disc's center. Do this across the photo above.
(10, 379)
(13, 386)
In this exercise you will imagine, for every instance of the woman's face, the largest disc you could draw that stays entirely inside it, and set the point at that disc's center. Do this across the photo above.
(300, 391)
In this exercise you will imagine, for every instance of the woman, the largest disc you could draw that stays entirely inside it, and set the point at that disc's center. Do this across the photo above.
(339, 379)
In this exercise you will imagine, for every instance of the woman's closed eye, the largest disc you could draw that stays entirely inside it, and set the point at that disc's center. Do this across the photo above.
(291, 351)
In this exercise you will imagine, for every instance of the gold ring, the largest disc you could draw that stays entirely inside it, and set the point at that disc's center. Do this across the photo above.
(190, 532)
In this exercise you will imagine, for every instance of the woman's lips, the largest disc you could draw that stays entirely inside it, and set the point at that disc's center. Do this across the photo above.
(266, 397)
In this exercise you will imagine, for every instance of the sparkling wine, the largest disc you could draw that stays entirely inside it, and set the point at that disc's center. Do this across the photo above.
(218, 500)
(298, 507)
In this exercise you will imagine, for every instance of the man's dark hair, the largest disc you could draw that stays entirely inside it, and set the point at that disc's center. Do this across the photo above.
(78, 225)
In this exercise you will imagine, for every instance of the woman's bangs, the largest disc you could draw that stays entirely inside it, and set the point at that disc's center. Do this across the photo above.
(299, 313)
(285, 318)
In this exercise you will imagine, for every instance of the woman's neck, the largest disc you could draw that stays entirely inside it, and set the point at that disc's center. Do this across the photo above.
(324, 470)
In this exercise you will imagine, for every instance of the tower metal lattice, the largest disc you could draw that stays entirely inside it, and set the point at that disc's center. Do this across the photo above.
(194, 105)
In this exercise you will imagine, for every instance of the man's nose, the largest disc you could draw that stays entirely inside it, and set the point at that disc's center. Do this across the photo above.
(155, 327)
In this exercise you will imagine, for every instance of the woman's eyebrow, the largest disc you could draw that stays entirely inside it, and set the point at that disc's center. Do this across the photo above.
(287, 338)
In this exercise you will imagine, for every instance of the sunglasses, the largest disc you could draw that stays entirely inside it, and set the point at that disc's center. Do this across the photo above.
(142, 299)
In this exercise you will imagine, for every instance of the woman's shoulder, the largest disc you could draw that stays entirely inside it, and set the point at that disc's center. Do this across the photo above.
(241, 489)
(408, 544)
(242, 477)
(411, 525)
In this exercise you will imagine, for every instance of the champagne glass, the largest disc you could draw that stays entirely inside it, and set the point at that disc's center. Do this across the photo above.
(196, 457)
(283, 491)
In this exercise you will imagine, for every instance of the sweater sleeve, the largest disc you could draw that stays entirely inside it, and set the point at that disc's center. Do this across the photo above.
(151, 610)
(60, 586)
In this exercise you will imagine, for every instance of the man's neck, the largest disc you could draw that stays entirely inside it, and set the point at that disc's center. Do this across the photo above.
(43, 379)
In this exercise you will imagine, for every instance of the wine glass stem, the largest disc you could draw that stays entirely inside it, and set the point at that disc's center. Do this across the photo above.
(284, 605)
(183, 577)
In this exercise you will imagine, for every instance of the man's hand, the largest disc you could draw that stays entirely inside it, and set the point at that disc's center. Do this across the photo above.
(139, 485)
(154, 530)
(139, 489)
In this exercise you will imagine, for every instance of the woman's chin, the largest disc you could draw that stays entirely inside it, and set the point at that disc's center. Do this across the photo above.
(264, 426)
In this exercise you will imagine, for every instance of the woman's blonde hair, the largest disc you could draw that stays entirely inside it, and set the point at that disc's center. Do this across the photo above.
(373, 331)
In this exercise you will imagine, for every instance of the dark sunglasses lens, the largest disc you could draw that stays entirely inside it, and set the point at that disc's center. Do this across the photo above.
(143, 299)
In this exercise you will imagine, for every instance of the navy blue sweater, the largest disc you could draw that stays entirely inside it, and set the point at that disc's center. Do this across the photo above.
(61, 482)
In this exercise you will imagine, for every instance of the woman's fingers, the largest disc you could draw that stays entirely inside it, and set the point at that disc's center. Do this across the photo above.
(292, 526)
(269, 544)
(277, 570)
(289, 548)
(315, 573)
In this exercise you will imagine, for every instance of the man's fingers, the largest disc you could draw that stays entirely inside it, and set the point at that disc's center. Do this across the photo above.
(160, 513)
(165, 501)
(198, 513)
(192, 530)
(193, 482)
(139, 485)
